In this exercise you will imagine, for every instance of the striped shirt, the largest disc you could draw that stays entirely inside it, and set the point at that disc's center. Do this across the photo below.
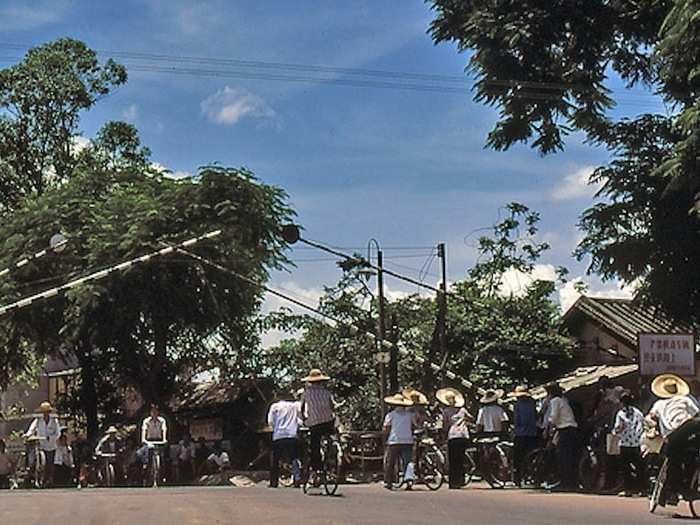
(317, 405)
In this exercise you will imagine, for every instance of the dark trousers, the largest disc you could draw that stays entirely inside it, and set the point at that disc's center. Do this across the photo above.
(567, 453)
(631, 465)
(456, 450)
(4, 481)
(393, 452)
(316, 432)
(521, 446)
(676, 451)
(287, 448)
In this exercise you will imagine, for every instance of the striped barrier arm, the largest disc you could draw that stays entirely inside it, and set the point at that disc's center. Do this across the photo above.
(27, 260)
(28, 301)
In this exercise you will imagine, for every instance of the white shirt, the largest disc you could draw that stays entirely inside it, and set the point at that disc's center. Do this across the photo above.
(63, 456)
(401, 423)
(673, 412)
(43, 430)
(491, 418)
(560, 414)
(629, 425)
(154, 429)
(283, 417)
(221, 460)
(455, 420)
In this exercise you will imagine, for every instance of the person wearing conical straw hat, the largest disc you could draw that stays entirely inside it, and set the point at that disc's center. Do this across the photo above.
(318, 414)
(491, 418)
(420, 403)
(455, 421)
(676, 413)
(524, 429)
(46, 428)
(399, 424)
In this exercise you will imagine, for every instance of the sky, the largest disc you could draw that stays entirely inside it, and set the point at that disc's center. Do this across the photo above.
(405, 167)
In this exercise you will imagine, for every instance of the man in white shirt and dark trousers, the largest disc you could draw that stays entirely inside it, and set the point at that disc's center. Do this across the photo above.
(398, 432)
(561, 417)
(47, 429)
(283, 417)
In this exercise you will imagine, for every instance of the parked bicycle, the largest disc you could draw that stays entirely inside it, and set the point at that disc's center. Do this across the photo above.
(490, 460)
(596, 470)
(429, 468)
(540, 468)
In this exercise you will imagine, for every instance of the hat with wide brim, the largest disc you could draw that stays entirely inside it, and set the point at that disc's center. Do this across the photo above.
(314, 376)
(491, 396)
(417, 397)
(520, 391)
(45, 407)
(398, 400)
(112, 430)
(669, 385)
(450, 397)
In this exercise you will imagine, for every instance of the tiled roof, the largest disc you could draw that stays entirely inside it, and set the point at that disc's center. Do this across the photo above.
(626, 317)
(216, 393)
(586, 375)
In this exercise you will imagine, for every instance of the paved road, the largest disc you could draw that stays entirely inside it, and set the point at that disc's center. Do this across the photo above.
(357, 504)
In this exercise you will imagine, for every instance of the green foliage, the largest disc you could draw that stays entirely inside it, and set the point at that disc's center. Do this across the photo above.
(41, 99)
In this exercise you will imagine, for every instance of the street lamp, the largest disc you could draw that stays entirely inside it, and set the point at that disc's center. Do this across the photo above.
(57, 244)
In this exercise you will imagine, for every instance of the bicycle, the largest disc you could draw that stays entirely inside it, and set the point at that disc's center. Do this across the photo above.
(691, 469)
(540, 467)
(594, 469)
(490, 459)
(429, 467)
(331, 467)
(106, 473)
(36, 461)
(154, 462)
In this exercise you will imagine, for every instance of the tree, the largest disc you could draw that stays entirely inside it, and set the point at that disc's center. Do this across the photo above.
(494, 339)
(546, 66)
(41, 100)
(156, 324)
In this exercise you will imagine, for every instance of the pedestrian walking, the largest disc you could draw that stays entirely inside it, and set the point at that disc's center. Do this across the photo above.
(561, 418)
(398, 433)
(455, 425)
(318, 413)
(63, 462)
(524, 430)
(47, 429)
(283, 418)
(629, 428)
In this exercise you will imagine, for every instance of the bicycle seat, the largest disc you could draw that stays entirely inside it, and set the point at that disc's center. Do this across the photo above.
(427, 441)
(486, 440)
(32, 439)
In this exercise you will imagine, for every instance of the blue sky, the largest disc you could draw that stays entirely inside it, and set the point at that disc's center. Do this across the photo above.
(405, 167)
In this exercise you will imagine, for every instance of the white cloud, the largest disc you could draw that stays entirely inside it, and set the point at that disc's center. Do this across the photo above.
(167, 172)
(273, 303)
(568, 294)
(131, 113)
(514, 282)
(229, 105)
(575, 185)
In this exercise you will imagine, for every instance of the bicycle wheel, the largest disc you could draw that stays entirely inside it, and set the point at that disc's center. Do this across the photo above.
(433, 468)
(470, 466)
(39, 469)
(496, 468)
(533, 468)
(286, 479)
(109, 471)
(590, 471)
(658, 487)
(332, 464)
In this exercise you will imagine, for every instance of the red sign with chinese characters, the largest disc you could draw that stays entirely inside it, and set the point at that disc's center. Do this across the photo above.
(667, 354)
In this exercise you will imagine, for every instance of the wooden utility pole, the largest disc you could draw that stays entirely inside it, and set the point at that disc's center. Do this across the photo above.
(442, 311)
(382, 325)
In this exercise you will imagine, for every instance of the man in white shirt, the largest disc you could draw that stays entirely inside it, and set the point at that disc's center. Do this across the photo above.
(398, 432)
(561, 417)
(491, 418)
(283, 418)
(47, 429)
(677, 416)
(154, 433)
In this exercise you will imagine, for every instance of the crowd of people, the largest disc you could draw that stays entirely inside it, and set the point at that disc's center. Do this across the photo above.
(673, 418)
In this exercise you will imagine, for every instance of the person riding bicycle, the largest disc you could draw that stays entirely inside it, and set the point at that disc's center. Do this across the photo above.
(399, 424)
(677, 416)
(154, 430)
(318, 413)
(47, 429)
(109, 445)
(455, 425)
(283, 417)
(491, 418)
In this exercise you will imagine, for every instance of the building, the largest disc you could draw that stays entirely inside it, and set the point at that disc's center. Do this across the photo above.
(19, 402)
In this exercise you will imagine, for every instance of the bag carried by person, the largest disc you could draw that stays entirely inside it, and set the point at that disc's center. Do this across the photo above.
(612, 444)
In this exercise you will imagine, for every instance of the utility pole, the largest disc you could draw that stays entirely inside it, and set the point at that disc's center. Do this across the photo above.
(382, 325)
(442, 310)
(394, 356)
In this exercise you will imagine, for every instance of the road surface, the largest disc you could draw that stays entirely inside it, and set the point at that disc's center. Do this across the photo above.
(366, 504)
